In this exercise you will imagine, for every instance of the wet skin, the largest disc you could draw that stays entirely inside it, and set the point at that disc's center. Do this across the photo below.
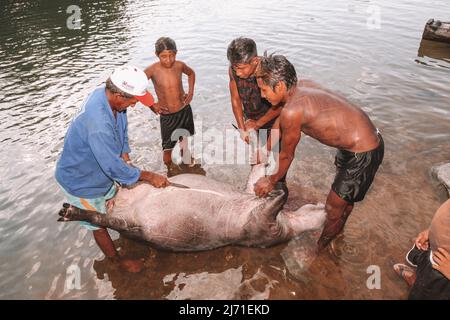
(327, 117)
(166, 77)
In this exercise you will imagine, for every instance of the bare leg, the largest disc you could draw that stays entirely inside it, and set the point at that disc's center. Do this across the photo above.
(106, 244)
(167, 157)
(347, 212)
(338, 211)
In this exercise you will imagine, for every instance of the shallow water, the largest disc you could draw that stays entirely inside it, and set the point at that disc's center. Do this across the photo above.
(48, 69)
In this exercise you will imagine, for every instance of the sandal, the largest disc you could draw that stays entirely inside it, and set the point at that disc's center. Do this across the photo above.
(406, 272)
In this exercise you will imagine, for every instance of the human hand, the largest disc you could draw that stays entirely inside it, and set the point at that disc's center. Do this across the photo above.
(263, 186)
(159, 181)
(154, 179)
(422, 241)
(188, 98)
(442, 259)
(159, 109)
(250, 125)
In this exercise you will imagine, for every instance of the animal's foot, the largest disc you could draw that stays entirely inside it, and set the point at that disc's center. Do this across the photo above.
(68, 213)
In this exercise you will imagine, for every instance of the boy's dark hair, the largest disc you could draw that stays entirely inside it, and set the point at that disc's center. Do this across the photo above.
(241, 50)
(275, 68)
(165, 43)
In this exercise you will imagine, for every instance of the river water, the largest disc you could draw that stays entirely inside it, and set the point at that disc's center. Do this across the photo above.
(366, 50)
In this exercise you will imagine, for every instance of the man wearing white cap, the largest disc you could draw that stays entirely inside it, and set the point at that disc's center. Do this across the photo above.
(95, 153)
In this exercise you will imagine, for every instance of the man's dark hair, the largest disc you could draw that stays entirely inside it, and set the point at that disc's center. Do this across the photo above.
(275, 68)
(165, 43)
(241, 50)
(114, 89)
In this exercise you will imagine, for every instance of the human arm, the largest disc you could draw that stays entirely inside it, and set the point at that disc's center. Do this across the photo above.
(126, 158)
(271, 114)
(274, 136)
(156, 107)
(102, 146)
(236, 105)
(290, 124)
(191, 82)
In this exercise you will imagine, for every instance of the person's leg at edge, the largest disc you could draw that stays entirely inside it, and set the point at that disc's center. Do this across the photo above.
(167, 157)
(106, 245)
(337, 211)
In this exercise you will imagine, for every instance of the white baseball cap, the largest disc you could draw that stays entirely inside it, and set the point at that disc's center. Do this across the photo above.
(132, 80)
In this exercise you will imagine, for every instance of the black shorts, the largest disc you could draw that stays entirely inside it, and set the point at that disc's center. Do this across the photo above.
(176, 125)
(355, 172)
(430, 283)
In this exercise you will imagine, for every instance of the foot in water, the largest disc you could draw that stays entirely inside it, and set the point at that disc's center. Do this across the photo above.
(407, 273)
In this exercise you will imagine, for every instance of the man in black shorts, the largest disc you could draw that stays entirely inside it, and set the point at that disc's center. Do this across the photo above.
(334, 121)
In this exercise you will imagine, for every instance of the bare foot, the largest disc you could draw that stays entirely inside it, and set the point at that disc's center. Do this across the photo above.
(407, 273)
(131, 265)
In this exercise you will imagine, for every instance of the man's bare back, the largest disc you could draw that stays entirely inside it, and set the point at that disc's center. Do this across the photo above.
(329, 118)
(168, 84)
(332, 120)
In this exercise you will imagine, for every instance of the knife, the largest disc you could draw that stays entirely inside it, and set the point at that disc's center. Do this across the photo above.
(177, 185)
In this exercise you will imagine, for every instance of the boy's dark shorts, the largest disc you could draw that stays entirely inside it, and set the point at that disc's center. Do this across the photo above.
(355, 172)
(430, 283)
(182, 119)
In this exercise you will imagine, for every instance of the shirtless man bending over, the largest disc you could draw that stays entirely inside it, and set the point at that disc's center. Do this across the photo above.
(334, 121)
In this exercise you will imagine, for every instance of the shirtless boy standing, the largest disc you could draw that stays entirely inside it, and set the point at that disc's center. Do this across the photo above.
(173, 104)
(332, 120)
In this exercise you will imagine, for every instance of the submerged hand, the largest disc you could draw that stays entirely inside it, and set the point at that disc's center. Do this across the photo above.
(442, 258)
(422, 240)
(263, 186)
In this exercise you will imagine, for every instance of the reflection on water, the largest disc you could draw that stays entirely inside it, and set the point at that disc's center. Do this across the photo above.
(48, 69)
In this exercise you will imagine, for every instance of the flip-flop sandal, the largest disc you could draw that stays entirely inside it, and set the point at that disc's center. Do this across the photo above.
(401, 270)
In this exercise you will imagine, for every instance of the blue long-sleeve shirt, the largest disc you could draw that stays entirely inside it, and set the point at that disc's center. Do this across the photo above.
(91, 157)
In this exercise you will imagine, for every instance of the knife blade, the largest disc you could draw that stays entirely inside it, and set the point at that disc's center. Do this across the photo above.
(177, 185)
